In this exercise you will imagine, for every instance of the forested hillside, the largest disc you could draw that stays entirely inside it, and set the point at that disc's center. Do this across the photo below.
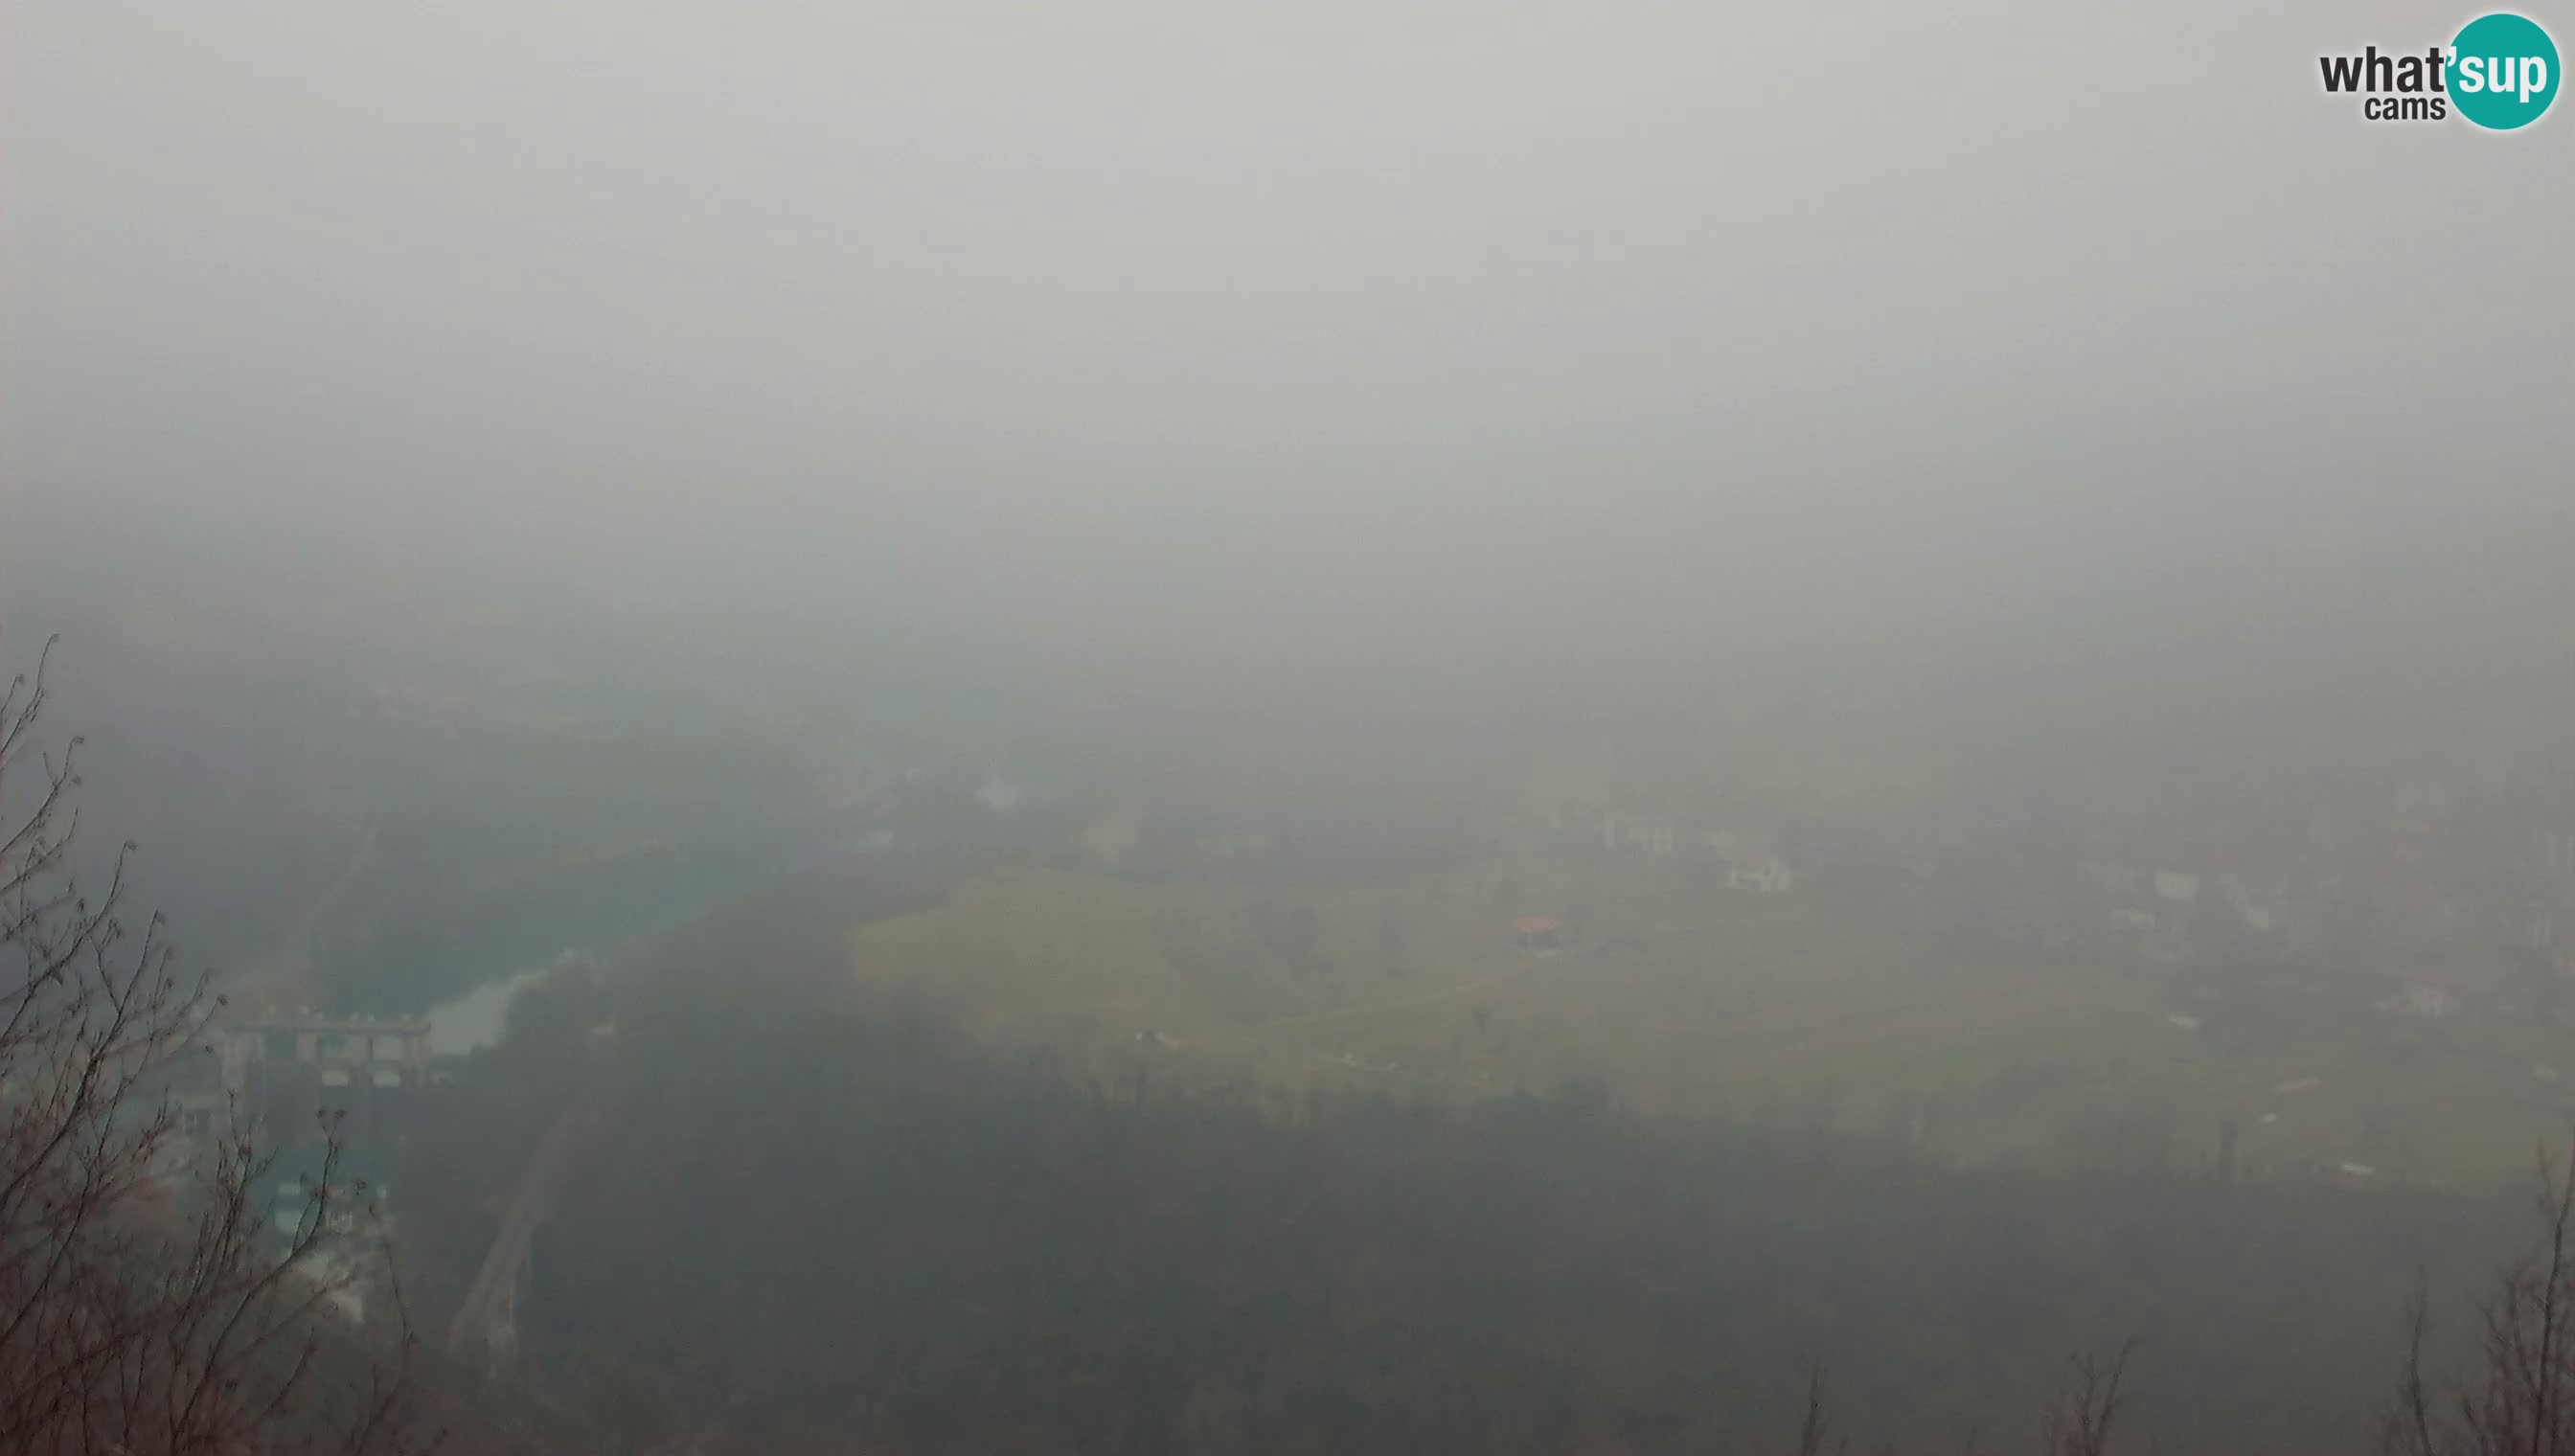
(816, 1218)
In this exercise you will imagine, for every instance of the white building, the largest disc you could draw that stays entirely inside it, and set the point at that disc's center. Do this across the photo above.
(1767, 875)
(2176, 887)
(2433, 1002)
(381, 1052)
(997, 794)
(1652, 833)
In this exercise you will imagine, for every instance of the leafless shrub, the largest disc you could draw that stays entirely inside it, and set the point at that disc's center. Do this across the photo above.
(2519, 1399)
(1812, 1429)
(139, 1312)
(2088, 1406)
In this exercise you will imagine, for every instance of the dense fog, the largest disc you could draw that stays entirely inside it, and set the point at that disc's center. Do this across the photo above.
(1633, 647)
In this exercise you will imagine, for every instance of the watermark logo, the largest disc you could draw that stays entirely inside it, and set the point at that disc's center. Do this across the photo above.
(2503, 71)
(2499, 72)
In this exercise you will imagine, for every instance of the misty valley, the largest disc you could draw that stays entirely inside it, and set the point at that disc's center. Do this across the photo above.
(1155, 728)
(1065, 1096)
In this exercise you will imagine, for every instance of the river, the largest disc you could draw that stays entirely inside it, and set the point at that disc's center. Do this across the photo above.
(595, 922)
(475, 1019)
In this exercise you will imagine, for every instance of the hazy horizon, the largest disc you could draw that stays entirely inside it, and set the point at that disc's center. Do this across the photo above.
(1156, 334)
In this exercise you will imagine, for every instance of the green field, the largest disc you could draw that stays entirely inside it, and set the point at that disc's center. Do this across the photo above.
(1684, 997)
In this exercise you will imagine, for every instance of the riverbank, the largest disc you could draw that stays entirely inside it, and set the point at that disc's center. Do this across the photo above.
(855, 886)
(442, 955)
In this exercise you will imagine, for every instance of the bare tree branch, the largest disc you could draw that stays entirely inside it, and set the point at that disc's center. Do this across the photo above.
(139, 1310)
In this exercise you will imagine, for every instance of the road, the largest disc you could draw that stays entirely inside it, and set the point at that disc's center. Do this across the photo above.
(357, 861)
(486, 1323)
(284, 974)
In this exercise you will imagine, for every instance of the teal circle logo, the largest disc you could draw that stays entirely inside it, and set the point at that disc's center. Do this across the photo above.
(2503, 71)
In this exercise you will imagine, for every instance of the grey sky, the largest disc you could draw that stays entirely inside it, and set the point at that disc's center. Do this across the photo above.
(1224, 329)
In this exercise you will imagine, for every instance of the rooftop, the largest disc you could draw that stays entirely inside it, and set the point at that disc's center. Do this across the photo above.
(307, 1019)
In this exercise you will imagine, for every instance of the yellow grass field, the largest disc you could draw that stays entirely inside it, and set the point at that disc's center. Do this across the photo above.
(1684, 997)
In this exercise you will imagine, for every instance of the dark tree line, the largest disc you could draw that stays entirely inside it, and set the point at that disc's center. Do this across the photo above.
(823, 1220)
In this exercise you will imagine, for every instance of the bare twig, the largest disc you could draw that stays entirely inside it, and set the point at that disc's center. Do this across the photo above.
(126, 1326)
(2079, 1420)
(1812, 1429)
